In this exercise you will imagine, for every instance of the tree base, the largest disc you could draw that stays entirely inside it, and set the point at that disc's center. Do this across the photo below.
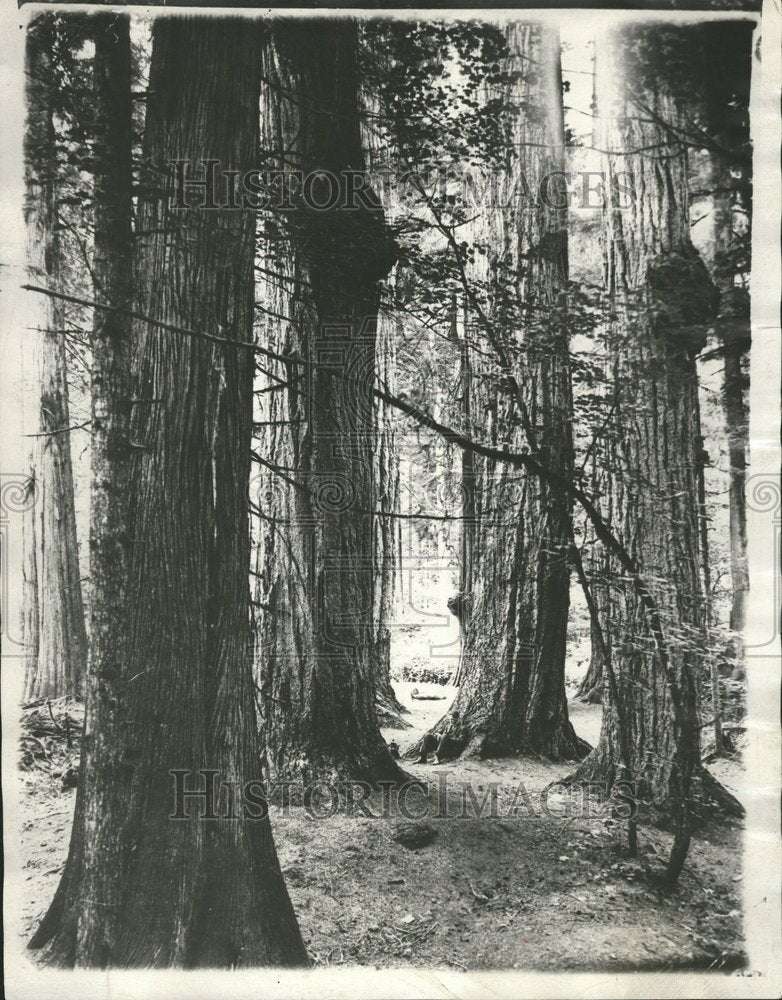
(389, 717)
(710, 796)
(591, 694)
(235, 913)
(466, 743)
(309, 773)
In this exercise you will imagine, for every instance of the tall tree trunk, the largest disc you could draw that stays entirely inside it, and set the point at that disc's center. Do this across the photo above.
(735, 387)
(30, 583)
(387, 535)
(662, 302)
(141, 887)
(60, 664)
(512, 694)
(702, 459)
(460, 603)
(727, 54)
(316, 572)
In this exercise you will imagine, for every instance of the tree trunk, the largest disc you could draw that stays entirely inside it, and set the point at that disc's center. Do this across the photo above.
(662, 301)
(59, 666)
(30, 584)
(590, 690)
(142, 887)
(316, 573)
(387, 534)
(461, 602)
(597, 568)
(512, 694)
(734, 388)
(702, 459)
(727, 55)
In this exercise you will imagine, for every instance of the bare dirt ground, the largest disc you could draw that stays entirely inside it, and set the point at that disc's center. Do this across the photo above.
(533, 890)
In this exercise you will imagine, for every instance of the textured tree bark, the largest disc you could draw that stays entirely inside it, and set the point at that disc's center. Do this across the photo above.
(727, 55)
(59, 666)
(316, 561)
(387, 535)
(662, 301)
(141, 887)
(460, 604)
(512, 694)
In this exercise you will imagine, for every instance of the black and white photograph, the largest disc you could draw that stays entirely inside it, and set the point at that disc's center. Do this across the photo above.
(390, 511)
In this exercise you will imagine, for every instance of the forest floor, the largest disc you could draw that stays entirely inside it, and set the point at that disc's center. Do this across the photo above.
(547, 888)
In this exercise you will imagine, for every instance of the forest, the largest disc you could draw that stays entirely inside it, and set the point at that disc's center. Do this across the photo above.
(385, 505)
